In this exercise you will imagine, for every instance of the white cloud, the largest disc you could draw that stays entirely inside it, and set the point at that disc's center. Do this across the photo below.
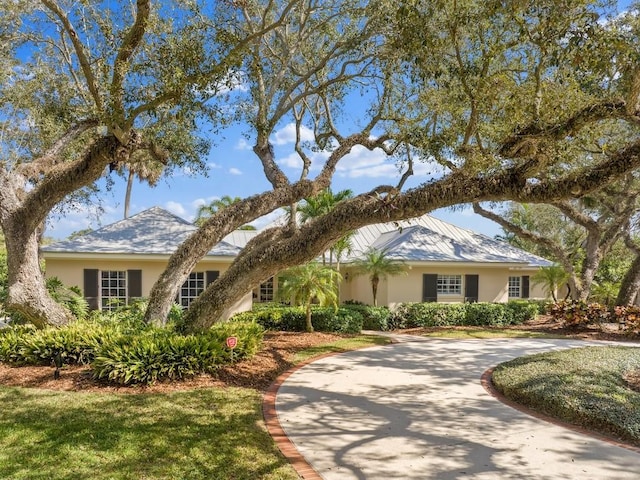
(293, 160)
(364, 163)
(176, 208)
(213, 165)
(235, 171)
(198, 202)
(287, 135)
(243, 144)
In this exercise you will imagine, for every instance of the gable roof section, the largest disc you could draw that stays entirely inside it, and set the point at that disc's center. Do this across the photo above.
(153, 231)
(428, 239)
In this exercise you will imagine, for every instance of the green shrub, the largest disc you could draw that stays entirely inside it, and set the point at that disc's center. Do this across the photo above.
(522, 311)
(486, 314)
(75, 343)
(161, 354)
(292, 319)
(432, 314)
(579, 313)
(373, 318)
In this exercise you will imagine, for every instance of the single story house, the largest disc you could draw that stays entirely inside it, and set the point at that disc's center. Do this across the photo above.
(445, 263)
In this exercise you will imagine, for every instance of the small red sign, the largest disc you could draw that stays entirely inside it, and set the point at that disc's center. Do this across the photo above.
(232, 342)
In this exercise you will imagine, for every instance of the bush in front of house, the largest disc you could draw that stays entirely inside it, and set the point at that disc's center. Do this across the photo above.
(292, 319)
(432, 314)
(127, 351)
(524, 310)
(73, 344)
(373, 318)
(160, 354)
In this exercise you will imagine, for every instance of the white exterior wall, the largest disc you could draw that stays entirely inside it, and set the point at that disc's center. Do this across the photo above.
(492, 285)
(71, 272)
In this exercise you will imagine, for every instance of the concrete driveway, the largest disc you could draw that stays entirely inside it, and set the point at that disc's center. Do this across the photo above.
(417, 410)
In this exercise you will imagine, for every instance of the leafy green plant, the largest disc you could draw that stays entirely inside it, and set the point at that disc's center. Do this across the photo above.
(373, 318)
(161, 354)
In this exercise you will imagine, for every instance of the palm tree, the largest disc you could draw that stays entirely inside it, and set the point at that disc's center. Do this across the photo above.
(147, 170)
(378, 265)
(304, 283)
(322, 204)
(206, 211)
(551, 278)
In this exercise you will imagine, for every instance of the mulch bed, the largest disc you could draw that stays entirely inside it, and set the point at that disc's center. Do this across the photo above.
(260, 371)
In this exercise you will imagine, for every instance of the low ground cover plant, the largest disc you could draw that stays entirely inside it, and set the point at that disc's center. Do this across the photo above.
(128, 351)
(584, 386)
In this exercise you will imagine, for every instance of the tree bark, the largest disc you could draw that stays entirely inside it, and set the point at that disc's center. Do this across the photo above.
(374, 290)
(27, 293)
(630, 284)
(23, 211)
(212, 231)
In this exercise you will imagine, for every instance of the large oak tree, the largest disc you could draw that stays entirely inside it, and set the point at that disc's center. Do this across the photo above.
(491, 96)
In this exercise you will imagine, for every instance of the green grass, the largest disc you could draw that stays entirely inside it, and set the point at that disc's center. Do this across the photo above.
(208, 433)
(462, 333)
(584, 386)
(342, 345)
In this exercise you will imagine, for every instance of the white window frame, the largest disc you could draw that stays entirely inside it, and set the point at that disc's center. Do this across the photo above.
(266, 291)
(113, 289)
(514, 287)
(449, 284)
(191, 289)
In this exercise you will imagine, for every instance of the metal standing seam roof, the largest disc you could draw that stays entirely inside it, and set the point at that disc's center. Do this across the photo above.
(422, 239)
(153, 231)
(428, 239)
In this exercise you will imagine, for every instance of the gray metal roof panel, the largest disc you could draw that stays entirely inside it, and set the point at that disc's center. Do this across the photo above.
(153, 231)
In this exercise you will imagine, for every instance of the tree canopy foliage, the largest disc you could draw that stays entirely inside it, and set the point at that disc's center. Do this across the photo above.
(518, 101)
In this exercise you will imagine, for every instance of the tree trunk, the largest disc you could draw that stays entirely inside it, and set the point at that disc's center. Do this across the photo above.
(309, 326)
(212, 231)
(24, 210)
(630, 284)
(127, 196)
(374, 289)
(27, 291)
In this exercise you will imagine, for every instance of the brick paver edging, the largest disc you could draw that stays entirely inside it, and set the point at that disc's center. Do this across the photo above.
(488, 385)
(286, 446)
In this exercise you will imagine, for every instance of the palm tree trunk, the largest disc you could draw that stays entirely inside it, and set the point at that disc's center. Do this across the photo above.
(374, 288)
(309, 326)
(127, 196)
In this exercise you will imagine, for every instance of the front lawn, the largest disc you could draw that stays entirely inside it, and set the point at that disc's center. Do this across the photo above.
(203, 433)
(590, 387)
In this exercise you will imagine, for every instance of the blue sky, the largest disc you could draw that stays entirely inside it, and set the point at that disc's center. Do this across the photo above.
(234, 170)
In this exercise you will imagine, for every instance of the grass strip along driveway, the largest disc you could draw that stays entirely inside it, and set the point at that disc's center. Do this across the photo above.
(593, 387)
(207, 433)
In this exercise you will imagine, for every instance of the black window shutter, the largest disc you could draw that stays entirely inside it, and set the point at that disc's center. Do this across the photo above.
(134, 283)
(212, 275)
(91, 287)
(525, 286)
(430, 287)
(471, 288)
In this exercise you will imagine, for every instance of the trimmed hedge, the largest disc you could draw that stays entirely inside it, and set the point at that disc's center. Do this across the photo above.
(412, 315)
(373, 318)
(292, 319)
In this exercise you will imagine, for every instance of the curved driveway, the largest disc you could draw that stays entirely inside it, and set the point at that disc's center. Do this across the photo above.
(417, 410)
